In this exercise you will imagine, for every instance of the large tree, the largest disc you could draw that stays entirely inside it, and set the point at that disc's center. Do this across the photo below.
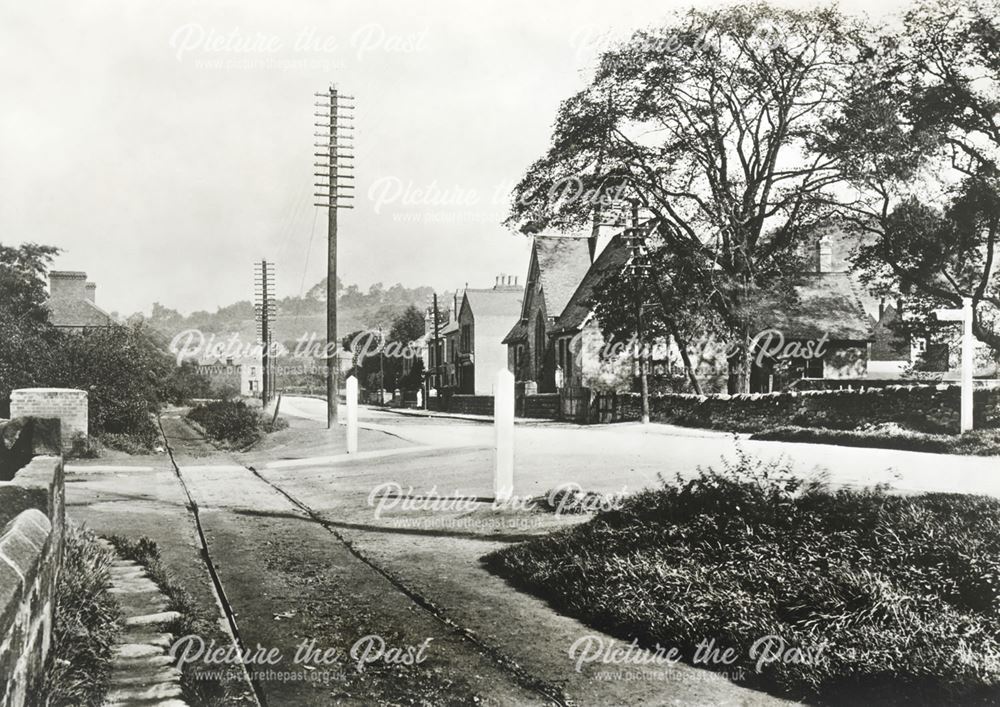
(25, 334)
(920, 140)
(711, 124)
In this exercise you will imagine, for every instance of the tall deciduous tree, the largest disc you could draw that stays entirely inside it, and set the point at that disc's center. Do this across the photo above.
(711, 123)
(920, 139)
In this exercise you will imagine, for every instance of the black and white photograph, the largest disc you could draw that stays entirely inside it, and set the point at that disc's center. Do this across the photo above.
(499, 353)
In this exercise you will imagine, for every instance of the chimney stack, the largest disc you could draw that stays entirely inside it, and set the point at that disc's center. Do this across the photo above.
(92, 292)
(67, 285)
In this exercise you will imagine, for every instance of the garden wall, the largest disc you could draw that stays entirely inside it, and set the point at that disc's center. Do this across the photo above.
(926, 408)
(32, 515)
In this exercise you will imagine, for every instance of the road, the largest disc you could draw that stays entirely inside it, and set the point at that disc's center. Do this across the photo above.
(608, 458)
(314, 552)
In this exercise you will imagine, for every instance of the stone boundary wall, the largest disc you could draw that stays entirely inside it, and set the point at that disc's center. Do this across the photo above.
(32, 515)
(926, 408)
(469, 404)
(66, 404)
(543, 405)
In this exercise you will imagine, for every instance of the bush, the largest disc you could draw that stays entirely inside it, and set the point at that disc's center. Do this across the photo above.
(87, 625)
(127, 443)
(232, 422)
(903, 591)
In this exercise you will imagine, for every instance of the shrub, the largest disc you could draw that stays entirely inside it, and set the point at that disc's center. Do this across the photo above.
(87, 625)
(903, 591)
(126, 443)
(231, 421)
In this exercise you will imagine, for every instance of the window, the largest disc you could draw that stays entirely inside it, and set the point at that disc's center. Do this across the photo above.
(814, 367)
(539, 344)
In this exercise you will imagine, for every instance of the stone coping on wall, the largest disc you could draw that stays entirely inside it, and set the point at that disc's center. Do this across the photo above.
(777, 395)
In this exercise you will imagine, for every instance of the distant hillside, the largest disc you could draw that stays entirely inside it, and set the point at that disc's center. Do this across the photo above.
(298, 316)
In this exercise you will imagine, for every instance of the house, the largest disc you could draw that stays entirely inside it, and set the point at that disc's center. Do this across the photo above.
(483, 318)
(557, 342)
(244, 374)
(72, 302)
(556, 267)
(442, 348)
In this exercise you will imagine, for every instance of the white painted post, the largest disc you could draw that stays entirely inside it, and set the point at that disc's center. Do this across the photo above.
(352, 415)
(967, 363)
(503, 423)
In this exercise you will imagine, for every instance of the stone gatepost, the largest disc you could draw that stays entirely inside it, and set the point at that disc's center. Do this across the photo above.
(67, 404)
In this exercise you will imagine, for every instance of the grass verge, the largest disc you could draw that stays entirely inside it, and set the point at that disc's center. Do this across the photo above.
(202, 685)
(87, 625)
(877, 599)
(977, 442)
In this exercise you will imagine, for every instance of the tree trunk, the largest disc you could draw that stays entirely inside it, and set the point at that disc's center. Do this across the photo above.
(644, 388)
(743, 365)
(688, 368)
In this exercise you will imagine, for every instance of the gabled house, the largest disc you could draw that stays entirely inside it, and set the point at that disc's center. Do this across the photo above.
(558, 343)
(72, 302)
(483, 318)
(556, 267)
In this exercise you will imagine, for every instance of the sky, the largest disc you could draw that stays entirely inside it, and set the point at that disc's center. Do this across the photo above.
(165, 146)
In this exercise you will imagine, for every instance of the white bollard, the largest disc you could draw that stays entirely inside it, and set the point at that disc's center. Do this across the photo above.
(352, 415)
(968, 348)
(503, 423)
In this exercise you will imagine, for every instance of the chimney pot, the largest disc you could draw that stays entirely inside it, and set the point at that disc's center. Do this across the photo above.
(92, 292)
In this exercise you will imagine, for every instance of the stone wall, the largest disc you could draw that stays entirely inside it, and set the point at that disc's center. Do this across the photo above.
(66, 404)
(469, 404)
(32, 515)
(927, 408)
(543, 405)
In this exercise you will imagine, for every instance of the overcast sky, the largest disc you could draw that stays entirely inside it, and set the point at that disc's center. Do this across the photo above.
(165, 146)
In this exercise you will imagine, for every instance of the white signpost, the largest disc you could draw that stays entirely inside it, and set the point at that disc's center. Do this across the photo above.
(963, 315)
(503, 423)
(352, 415)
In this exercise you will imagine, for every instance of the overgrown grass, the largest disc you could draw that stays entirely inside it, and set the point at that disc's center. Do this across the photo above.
(233, 422)
(201, 683)
(977, 442)
(903, 591)
(87, 625)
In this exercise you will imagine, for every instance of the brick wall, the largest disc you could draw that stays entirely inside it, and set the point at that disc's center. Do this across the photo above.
(32, 515)
(66, 404)
(927, 408)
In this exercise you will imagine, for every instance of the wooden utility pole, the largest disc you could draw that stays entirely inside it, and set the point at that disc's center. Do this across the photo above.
(265, 309)
(338, 148)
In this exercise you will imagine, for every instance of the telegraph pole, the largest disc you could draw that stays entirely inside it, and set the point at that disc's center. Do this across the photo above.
(336, 121)
(265, 310)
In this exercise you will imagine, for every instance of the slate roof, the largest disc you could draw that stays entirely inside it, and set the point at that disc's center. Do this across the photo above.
(609, 263)
(495, 302)
(828, 303)
(67, 312)
(519, 332)
(562, 263)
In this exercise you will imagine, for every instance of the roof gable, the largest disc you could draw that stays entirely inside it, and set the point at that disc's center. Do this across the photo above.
(562, 263)
(609, 263)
